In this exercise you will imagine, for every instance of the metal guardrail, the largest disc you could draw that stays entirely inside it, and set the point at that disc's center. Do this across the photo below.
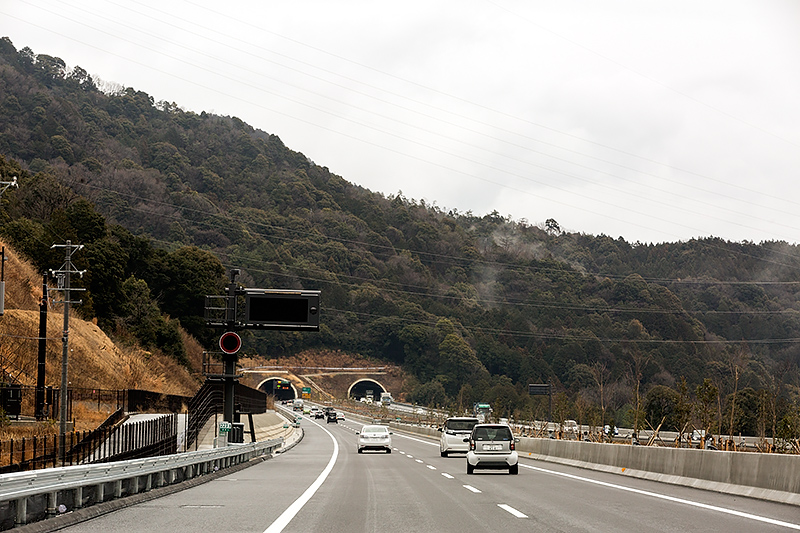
(74, 487)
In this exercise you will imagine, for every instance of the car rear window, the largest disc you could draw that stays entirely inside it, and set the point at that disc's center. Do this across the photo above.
(460, 425)
(374, 429)
(492, 433)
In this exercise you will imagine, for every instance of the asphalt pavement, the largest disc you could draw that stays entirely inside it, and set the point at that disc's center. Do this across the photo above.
(323, 484)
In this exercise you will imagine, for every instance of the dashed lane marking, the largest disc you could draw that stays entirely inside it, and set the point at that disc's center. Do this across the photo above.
(448, 476)
(512, 510)
(471, 489)
(431, 467)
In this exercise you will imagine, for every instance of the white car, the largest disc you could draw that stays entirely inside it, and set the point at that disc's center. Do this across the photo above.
(453, 433)
(492, 446)
(375, 438)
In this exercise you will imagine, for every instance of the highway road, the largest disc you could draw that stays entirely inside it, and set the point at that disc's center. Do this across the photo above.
(323, 485)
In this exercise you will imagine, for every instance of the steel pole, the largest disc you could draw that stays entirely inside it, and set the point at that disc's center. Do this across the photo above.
(65, 353)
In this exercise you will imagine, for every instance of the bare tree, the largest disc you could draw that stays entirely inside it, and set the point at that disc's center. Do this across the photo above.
(600, 373)
(635, 371)
(707, 392)
(737, 361)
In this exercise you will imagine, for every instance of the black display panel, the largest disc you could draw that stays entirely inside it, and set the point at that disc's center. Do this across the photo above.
(289, 310)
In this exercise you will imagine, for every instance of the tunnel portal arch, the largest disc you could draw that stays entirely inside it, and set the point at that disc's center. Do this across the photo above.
(282, 389)
(361, 388)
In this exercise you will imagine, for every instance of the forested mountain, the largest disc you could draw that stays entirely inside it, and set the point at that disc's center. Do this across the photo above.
(475, 307)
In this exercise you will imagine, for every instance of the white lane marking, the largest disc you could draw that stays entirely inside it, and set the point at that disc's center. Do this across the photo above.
(656, 495)
(512, 510)
(472, 489)
(706, 506)
(416, 439)
(448, 476)
(431, 467)
(283, 520)
(409, 456)
(418, 460)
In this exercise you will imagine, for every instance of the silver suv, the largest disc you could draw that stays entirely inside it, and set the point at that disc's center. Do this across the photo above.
(492, 446)
(453, 433)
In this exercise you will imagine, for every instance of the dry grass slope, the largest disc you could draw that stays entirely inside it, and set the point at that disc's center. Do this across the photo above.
(94, 360)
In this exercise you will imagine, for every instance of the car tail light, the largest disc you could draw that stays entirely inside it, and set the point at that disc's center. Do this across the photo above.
(472, 445)
(511, 446)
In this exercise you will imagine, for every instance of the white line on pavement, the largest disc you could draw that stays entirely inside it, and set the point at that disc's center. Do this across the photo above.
(283, 520)
(431, 467)
(472, 489)
(670, 498)
(512, 510)
(429, 443)
(448, 476)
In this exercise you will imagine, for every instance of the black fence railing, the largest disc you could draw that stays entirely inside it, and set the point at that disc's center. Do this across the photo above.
(115, 441)
(207, 402)
(18, 401)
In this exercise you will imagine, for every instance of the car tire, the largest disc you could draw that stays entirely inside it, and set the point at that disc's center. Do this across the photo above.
(443, 454)
(360, 450)
(388, 450)
(513, 469)
(470, 469)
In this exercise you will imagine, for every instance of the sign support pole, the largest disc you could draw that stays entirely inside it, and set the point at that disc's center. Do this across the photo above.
(230, 360)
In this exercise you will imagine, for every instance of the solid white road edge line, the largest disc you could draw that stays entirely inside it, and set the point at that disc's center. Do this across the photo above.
(511, 510)
(723, 510)
(283, 520)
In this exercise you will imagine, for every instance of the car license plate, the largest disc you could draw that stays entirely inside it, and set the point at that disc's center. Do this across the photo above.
(492, 447)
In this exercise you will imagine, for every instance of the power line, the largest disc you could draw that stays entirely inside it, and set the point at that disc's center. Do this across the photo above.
(572, 337)
(445, 167)
(450, 259)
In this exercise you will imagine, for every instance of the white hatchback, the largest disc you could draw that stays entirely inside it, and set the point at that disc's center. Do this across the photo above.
(375, 438)
(453, 433)
(492, 446)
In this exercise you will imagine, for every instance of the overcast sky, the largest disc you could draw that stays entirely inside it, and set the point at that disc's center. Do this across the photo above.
(651, 120)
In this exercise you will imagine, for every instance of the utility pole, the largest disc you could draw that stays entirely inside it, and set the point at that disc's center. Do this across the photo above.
(63, 277)
(6, 184)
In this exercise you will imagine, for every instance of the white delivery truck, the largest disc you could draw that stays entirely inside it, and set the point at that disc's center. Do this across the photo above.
(297, 404)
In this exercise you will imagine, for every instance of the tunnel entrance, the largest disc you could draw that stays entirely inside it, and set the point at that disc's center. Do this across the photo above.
(364, 388)
(281, 389)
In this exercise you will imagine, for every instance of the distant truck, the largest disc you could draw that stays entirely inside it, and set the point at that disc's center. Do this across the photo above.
(297, 404)
(386, 398)
(482, 411)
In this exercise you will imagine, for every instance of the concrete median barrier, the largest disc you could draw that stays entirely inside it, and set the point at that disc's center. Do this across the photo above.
(773, 477)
